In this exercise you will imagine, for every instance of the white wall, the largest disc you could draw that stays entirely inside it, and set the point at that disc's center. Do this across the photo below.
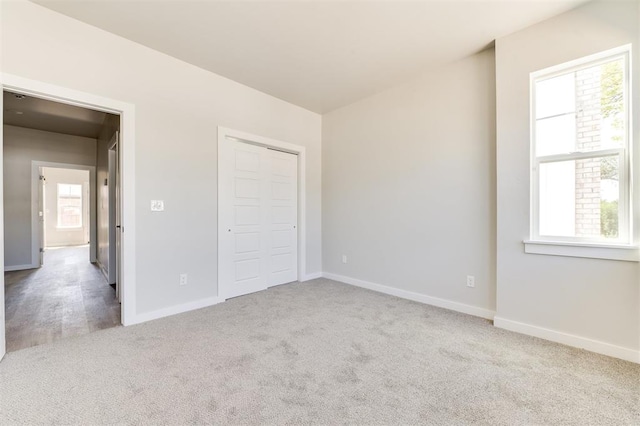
(408, 185)
(592, 299)
(60, 237)
(21, 147)
(178, 107)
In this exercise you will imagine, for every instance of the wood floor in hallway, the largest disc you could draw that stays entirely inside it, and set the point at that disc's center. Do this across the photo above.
(67, 297)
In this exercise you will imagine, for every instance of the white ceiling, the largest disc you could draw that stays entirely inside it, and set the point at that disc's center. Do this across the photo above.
(320, 55)
(41, 114)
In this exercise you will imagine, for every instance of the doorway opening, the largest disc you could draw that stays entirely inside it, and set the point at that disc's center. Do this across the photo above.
(64, 209)
(61, 252)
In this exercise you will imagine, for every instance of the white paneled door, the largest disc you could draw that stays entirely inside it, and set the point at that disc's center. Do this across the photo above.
(258, 218)
(283, 218)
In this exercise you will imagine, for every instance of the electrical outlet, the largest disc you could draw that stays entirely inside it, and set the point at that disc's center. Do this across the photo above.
(344, 258)
(471, 281)
(183, 279)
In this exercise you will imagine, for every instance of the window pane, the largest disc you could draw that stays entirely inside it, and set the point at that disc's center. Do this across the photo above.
(70, 216)
(555, 96)
(609, 197)
(579, 198)
(557, 199)
(63, 190)
(581, 111)
(600, 106)
(75, 190)
(556, 135)
(69, 205)
(69, 190)
(612, 108)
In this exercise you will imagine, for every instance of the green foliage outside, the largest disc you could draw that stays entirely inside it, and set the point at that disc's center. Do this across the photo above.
(609, 219)
(611, 98)
(612, 103)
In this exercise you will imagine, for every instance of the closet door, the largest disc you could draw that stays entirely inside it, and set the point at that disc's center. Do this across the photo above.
(244, 219)
(258, 218)
(283, 218)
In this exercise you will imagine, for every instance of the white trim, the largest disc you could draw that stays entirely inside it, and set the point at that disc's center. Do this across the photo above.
(583, 62)
(224, 133)
(19, 267)
(35, 223)
(126, 111)
(416, 297)
(178, 309)
(597, 346)
(312, 276)
(558, 158)
(594, 251)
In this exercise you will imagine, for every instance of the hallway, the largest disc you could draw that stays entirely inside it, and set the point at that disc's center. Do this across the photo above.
(67, 297)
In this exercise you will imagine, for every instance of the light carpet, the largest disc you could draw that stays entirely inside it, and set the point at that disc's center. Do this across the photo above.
(319, 352)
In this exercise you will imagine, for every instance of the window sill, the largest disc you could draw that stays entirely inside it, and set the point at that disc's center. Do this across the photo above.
(629, 253)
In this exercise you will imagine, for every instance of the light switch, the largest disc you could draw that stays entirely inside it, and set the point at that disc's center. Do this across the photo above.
(157, 205)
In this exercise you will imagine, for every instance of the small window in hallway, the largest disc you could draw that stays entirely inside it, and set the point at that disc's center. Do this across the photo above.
(69, 205)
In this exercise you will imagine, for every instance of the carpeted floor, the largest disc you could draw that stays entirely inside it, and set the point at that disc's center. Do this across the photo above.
(318, 352)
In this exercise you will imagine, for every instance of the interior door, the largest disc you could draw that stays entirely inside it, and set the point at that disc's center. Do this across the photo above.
(41, 213)
(119, 230)
(116, 225)
(283, 217)
(109, 208)
(242, 223)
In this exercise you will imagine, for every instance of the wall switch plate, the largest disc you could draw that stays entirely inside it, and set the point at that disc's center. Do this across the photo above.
(344, 258)
(157, 205)
(471, 281)
(183, 279)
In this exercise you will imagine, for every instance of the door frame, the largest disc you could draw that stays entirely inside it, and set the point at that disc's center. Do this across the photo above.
(126, 111)
(225, 133)
(36, 229)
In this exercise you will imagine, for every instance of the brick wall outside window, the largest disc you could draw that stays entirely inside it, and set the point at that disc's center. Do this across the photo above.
(588, 121)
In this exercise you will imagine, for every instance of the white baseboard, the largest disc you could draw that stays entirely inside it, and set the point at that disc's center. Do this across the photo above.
(312, 276)
(19, 267)
(569, 339)
(416, 297)
(174, 310)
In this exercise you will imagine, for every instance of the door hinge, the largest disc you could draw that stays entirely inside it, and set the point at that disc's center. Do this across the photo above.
(42, 178)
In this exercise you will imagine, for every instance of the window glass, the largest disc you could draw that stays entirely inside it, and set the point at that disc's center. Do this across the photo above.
(556, 135)
(69, 205)
(580, 198)
(555, 96)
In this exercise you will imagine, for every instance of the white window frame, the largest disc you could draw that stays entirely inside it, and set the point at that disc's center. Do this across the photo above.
(622, 248)
(59, 216)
